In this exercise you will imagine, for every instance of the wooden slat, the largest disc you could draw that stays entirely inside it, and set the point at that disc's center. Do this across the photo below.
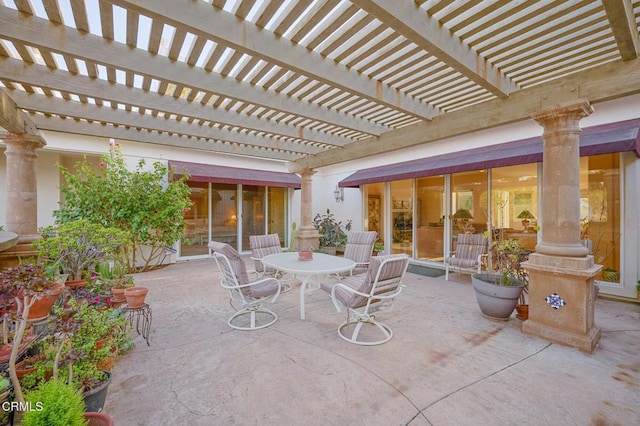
(268, 12)
(231, 62)
(320, 11)
(214, 57)
(247, 68)
(106, 19)
(47, 57)
(24, 53)
(132, 28)
(560, 31)
(176, 44)
(373, 53)
(71, 64)
(347, 35)
(297, 10)
(524, 29)
(24, 6)
(333, 26)
(196, 50)
(360, 43)
(52, 11)
(80, 15)
(624, 27)
(155, 35)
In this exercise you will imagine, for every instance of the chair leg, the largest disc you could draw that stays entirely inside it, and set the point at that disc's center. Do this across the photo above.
(383, 328)
(446, 272)
(253, 319)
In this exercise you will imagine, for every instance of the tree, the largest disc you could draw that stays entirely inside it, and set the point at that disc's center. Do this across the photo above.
(146, 202)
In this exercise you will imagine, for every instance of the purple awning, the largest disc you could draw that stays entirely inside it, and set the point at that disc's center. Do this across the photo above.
(223, 174)
(604, 139)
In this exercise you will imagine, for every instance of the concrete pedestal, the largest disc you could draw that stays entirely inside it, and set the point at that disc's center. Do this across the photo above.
(561, 300)
(306, 238)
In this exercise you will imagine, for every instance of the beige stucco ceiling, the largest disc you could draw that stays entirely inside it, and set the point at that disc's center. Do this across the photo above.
(309, 82)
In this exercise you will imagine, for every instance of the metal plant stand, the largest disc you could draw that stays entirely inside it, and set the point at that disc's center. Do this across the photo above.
(142, 317)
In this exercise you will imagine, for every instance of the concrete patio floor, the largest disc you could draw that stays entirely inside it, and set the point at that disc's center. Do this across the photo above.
(446, 364)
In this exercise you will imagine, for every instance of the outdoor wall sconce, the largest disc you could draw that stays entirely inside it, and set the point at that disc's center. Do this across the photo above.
(338, 194)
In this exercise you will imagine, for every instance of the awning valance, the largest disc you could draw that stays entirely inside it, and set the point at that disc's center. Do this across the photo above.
(223, 174)
(607, 138)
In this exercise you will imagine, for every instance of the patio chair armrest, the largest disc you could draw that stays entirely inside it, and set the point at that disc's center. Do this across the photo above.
(262, 280)
(346, 288)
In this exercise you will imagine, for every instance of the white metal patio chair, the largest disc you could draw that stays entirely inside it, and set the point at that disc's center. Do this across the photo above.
(251, 294)
(264, 245)
(365, 294)
(470, 254)
(359, 248)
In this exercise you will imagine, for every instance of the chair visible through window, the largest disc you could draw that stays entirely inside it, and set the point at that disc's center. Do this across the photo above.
(471, 251)
(252, 315)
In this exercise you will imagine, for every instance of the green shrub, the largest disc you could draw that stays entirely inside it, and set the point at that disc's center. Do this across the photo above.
(55, 403)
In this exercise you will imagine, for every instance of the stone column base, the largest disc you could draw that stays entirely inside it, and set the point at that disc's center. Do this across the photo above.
(561, 300)
(306, 238)
(585, 342)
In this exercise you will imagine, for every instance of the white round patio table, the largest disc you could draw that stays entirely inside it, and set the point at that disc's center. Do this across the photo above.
(321, 266)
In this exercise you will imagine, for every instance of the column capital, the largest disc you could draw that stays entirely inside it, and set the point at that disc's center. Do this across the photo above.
(562, 115)
(25, 139)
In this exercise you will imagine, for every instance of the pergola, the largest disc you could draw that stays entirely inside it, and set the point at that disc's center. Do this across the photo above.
(311, 82)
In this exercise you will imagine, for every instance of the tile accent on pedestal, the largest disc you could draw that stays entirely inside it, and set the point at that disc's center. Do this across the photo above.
(555, 301)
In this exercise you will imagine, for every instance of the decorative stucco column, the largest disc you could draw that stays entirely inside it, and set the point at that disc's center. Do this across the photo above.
(561, 271)
(22, 185)
(22, 199)
(306, 235)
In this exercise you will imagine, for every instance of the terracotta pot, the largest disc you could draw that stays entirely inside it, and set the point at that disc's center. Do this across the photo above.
(118, 295)
(135, 296)
(107, 364)
(42, 306)
(305, 255)
(98, 419)
(21, 371)
(522, 312)
(73, 284)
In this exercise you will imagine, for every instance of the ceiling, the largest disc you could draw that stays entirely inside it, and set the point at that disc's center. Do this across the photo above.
(308, 82)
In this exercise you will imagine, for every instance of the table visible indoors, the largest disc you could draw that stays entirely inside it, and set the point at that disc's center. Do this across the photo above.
(320, 266)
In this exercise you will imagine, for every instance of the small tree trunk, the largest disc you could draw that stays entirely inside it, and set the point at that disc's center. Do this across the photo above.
(17, 340)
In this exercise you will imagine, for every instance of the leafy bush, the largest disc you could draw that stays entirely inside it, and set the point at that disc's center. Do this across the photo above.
(331, 231)
(148, 203)
(55, 403)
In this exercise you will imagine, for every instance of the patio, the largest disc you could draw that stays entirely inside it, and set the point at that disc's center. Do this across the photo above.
(446, 365)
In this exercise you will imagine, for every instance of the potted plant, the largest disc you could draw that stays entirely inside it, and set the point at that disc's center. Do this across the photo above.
(78, 246)
(32, 284)
(85, 338)
(498, 293)
(378, 248)
(54, 403)
(112, 278)
(331, 231)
